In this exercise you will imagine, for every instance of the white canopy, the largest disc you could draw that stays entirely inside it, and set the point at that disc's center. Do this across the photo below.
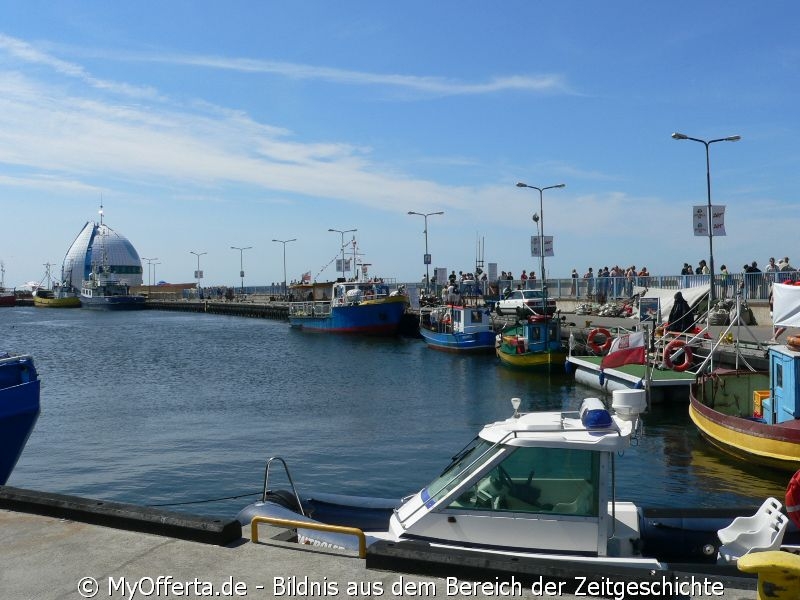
(786, 305)
(666, 297)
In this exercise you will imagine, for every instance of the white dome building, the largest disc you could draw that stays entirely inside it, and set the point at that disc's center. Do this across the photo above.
(98, 246)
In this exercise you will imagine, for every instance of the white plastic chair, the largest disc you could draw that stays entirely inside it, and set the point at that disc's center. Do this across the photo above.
(757, 533)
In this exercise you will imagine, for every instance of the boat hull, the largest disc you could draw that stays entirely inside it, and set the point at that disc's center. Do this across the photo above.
(8, 300)
(774, 446)
(19, 410)
(380, 317)
(482, 341)
(535, 360)
(68, 302)
(113, 302)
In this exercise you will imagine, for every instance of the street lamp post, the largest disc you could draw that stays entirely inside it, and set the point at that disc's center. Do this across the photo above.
(427, 258)
(541, 234)
(198, 274)
(149, 263)
(343, 232)
(731, 138)
(284, 242)
(241, 262)
(154, 272)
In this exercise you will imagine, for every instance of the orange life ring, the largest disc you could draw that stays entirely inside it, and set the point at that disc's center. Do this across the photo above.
(687, 355)
(597, 348)
(793, 499)
(793, 341)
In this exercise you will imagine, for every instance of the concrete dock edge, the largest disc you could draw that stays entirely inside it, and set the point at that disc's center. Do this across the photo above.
(207, 530)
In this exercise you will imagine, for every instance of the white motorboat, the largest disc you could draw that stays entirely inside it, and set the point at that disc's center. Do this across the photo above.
(534, 487)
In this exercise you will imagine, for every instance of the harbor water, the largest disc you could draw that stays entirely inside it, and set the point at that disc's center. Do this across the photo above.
(179, 409)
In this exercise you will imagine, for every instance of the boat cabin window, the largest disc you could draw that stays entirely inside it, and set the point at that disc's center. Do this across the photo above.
(463, 465)
(538, 480)
(477, 316)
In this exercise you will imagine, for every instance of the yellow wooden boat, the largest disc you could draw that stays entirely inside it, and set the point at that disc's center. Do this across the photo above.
(534, 344)
(746, 415)
(46, 298)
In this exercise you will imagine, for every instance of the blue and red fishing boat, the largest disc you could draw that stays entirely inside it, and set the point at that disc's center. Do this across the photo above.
(458, 328)
(361, 307)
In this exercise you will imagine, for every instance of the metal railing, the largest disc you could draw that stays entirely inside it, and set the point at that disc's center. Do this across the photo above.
(292, 524)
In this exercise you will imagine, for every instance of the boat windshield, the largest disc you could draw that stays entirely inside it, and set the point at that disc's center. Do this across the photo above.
(466, 462)
(537, 480)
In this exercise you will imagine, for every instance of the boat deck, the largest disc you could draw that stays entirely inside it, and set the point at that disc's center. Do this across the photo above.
(635, 373)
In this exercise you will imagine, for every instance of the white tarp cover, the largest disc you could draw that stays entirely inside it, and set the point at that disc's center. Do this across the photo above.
(786, 305)
(666, 297)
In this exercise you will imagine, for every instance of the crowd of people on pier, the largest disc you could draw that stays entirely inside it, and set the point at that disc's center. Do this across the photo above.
(616, 282)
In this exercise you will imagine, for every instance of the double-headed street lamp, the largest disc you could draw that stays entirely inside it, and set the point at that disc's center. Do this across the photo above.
(731, 138)
(427, 258)
(343, 232)
(540, 221)
(198, 274)
(284, 242)
(149, 264)
(241, 262)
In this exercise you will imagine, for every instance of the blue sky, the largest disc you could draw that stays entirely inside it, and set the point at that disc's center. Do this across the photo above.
(205, 125)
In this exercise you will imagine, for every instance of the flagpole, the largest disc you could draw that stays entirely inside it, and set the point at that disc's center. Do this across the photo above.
(648, 366)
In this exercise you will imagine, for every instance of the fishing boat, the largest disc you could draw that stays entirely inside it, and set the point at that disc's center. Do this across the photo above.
(531, 494)
(104, 291)
(19, 408)
(533, 343)
(754, 416)
(361, 307)
(458, 328)
(7, 297)
(50, 294)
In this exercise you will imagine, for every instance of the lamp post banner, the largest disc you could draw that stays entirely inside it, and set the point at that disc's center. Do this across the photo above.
(343, 265)
(700, 220)
(717, 220)
(536, 245)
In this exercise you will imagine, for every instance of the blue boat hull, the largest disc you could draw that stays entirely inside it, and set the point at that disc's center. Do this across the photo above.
(480, 341)
(19, 410)
(380, 318)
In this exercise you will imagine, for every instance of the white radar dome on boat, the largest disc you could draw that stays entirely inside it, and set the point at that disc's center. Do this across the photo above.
(594, 414)
(629, 404)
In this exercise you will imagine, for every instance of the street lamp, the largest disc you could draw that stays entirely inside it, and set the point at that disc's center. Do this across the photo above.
(541, 234)
(343, 232)
(284, 242)
(198, 274)
(149, 263)
(427, 258)
(731, 138)
(241, 262)
(154, 272)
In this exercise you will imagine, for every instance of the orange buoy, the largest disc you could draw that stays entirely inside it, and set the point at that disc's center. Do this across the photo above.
(597, 348)
(674, 346)
(793, 499)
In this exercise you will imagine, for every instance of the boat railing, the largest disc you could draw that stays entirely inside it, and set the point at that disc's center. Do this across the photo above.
(288, 476)
(15, 358)
(310, 309)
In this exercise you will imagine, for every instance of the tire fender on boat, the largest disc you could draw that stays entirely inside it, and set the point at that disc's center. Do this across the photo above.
(597, 348)
(674, 346)
(793, 499)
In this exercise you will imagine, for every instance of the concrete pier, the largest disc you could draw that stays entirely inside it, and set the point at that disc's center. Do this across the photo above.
(64, 556)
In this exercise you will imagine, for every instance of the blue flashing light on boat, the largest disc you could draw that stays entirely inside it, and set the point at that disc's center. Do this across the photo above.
(594, 414)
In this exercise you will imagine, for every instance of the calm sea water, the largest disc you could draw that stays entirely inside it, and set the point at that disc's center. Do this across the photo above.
(161, 408)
